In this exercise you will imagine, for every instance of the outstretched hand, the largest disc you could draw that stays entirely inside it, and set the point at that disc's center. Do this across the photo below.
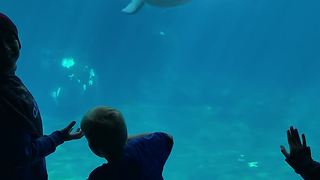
(300, 154)
(67, 132)
(294, 142)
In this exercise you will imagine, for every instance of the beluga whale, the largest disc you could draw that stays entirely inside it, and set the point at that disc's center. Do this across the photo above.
(135, 5)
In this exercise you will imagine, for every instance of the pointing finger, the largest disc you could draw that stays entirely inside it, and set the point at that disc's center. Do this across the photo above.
(304, 141)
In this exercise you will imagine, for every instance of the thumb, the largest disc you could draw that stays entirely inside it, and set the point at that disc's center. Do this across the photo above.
(284, 151)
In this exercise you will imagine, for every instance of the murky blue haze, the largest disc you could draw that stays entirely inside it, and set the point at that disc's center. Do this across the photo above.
(225, 77)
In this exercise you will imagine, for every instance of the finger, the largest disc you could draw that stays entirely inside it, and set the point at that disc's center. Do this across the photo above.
(304, 141)
(77, 132)
(70, 130)
(291, 129)
(297, 138)
(77, 135)
(292, 135)
(71, 125)
(289, 140)
(284, 151)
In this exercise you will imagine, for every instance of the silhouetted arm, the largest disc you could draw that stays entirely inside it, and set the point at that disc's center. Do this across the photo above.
(24, 149)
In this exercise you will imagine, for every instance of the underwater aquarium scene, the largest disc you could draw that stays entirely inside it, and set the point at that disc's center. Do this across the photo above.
(225, 78)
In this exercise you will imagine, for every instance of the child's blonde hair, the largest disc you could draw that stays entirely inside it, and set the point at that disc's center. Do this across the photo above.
(106, 131)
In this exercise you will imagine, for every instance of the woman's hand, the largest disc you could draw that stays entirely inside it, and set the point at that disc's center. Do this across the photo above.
(67, 132)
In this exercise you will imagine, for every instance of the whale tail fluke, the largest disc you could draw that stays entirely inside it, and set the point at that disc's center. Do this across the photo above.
(133, 7)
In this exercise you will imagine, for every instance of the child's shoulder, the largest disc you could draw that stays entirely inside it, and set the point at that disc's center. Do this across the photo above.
(153, 144)
(98, 172)
(159, 137)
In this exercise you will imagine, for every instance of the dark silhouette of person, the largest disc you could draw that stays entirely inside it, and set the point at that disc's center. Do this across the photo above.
(23, 146)
(137, 157)
(299, 157)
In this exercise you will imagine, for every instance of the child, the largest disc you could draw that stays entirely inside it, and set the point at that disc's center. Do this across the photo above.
(139, 157)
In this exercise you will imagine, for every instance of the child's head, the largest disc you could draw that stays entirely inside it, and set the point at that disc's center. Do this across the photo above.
(105, 130)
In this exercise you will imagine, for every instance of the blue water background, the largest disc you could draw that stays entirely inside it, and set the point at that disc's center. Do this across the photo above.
(225, 77)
